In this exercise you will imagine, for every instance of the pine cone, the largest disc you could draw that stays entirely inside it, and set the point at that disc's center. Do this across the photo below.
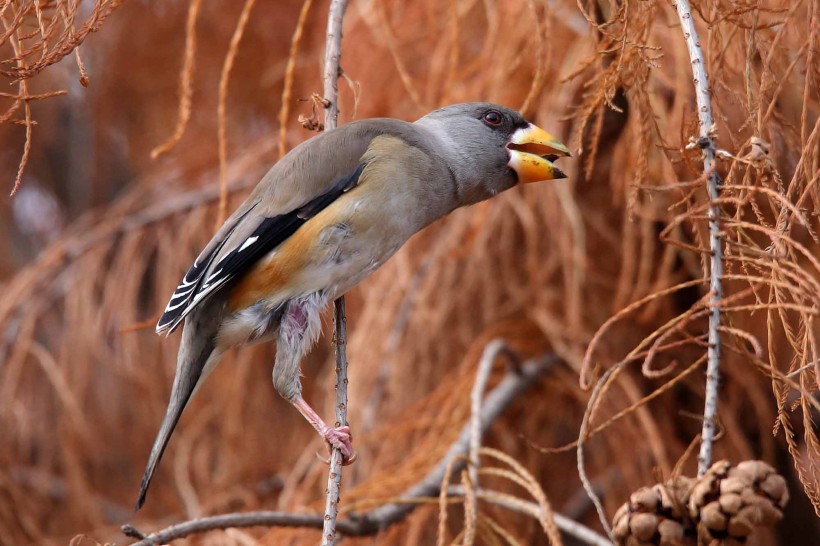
(729, 502)
(722, 508)
(656, 516)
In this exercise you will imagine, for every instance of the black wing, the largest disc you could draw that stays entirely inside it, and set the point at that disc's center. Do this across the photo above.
(270, 233)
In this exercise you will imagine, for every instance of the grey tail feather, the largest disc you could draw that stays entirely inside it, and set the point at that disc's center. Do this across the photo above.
(194, 352)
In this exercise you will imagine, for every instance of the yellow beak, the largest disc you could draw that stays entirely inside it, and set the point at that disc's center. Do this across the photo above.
(532, 153)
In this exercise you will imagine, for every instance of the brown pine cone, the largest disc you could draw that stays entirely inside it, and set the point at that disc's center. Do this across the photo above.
(656, 516)
(729, 502)
(722, 508)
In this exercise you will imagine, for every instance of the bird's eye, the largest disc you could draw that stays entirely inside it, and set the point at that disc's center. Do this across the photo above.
(492, 117)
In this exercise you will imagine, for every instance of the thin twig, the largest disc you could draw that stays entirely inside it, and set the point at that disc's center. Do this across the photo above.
(334, 477)
(485, 366)
(579, 450)
(333, 52)
(186, 82)
(222, 108)
(290, 69)
(514, 384)
(510, 502)
(706, 143)
(248, 519)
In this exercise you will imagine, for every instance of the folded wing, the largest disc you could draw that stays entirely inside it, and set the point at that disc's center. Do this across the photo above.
(218, 265)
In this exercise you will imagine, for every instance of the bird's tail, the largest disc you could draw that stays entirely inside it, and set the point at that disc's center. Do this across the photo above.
(196, 359)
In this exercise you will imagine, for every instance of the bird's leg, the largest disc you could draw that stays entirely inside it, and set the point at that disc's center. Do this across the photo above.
(338, 437)
(299, 327)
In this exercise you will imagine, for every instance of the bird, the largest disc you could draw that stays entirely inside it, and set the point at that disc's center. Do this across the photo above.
(323, 218)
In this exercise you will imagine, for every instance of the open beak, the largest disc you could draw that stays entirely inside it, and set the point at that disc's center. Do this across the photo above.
(533, 152)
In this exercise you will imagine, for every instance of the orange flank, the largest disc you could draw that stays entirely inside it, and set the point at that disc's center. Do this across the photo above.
(273, 273)
(277, 271)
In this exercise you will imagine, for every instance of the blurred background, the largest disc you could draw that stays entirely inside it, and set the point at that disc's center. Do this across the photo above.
(99, 232)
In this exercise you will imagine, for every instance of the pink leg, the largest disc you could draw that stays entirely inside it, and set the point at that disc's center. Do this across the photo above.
(339, 437)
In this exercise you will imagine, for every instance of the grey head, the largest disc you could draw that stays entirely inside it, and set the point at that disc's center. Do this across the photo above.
(490, 148)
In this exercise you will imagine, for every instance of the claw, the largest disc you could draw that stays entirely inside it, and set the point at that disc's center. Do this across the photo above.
(322, 459)
(346, 461)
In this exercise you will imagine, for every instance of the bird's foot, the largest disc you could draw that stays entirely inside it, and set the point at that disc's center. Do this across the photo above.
(338, 437)
(341, 439)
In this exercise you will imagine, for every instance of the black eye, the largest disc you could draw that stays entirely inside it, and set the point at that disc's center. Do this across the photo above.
(492, 117)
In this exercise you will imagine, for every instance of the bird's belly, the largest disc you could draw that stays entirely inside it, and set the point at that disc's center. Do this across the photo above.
(344, 266)
(362, 235)
(349, 260)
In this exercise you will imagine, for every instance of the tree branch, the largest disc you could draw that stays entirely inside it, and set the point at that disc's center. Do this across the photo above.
(333, 52)
(514, 384)
(485, 365)
(706, 143)
(567, 525)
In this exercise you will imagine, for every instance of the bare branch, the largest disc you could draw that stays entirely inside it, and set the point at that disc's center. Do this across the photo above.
(514, 383)
(579, 450)
(567, 525)
(706, 143)
(249, 519)
(333, 52)
(485, 365)
(334, 477)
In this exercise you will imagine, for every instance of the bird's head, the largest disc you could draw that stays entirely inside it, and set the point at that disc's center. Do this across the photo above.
(490, 148)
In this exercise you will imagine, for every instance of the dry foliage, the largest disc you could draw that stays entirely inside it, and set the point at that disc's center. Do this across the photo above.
(36, 35)
(608, 269)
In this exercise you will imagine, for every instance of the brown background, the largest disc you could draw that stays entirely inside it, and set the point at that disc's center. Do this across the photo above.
(99, 234)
